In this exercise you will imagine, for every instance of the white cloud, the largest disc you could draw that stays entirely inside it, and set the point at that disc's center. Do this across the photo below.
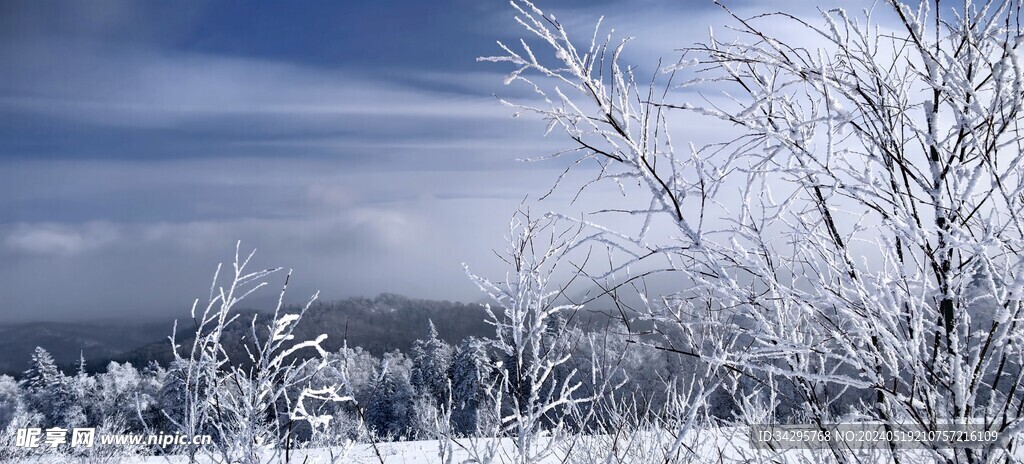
(59, 239)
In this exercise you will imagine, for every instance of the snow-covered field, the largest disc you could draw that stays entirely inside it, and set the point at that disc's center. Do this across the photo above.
(409, 452)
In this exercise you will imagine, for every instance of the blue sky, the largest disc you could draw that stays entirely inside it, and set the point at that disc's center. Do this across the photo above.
(358, 142)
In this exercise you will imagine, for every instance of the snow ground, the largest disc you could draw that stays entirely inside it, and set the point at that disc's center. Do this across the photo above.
(727, 445)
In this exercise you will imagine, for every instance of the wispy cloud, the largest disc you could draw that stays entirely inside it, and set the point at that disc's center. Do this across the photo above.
(148, 88)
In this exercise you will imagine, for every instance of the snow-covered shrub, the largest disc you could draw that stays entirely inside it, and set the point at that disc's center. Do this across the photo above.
(244, 403)
(345, 425)
(22, 418)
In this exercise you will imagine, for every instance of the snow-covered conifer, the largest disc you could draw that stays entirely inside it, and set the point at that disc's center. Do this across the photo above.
(431, 359)
(470, 374)
(42, 371)
(48, 391)
(390, 412)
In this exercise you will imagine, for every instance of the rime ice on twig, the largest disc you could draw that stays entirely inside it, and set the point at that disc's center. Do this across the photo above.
(872, 256)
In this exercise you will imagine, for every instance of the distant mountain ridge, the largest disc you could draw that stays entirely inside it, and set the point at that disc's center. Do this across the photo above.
(66, 341)
(383, 323)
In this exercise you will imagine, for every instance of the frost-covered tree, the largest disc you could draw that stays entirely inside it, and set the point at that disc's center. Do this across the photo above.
(10, 400)
(431, 359)
(875, 176)
(147, 400)
(532, 394)
(14, 415)
(470, 376)
(363, 370)
(115, 394)
(390, 411)
(42, 371)
(81, 388)
(48, 391)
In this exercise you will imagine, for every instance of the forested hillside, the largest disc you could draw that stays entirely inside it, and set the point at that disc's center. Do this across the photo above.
(377, 325)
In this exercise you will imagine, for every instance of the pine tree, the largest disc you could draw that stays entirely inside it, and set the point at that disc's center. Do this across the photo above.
(82, 389)
(42, 372)
(431, 360)
(391, 408)
(48, 390)
(469, 372)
